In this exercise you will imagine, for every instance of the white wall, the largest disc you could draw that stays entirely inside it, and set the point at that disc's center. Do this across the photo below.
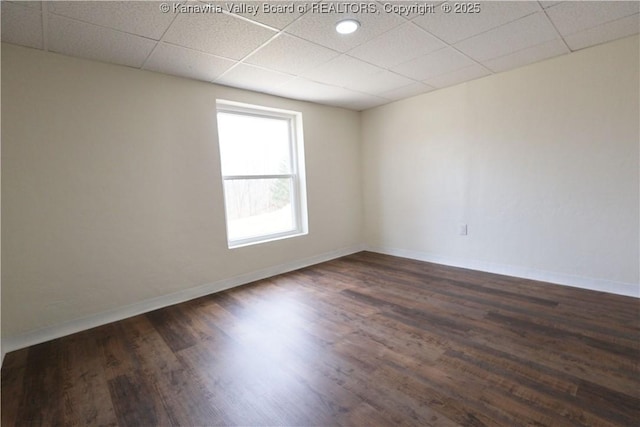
(112, 193)
(540, 162)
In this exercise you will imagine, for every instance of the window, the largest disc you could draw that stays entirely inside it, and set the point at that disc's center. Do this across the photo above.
(262, 162)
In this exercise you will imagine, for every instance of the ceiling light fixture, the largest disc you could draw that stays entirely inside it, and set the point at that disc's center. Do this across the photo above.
(347, 26)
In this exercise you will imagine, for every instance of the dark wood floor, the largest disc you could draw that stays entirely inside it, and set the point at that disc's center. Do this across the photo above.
(364, 340)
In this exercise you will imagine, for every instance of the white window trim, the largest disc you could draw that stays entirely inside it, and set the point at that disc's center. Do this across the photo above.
(297, 175)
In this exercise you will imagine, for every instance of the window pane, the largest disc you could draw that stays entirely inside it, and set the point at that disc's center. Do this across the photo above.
(258, 207)
(253, 145)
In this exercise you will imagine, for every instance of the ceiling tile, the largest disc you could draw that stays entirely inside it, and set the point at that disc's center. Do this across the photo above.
(469, 73)
(547, 4)
(527, 56)
(21, 25)
(277, 14)
(31, 4)
(603, 33)
(253, 78)
(396, 46)
(76, 38)
(180, 61)
(454, 27)
(342, 71)
(142, 18)
(319, 27)
(529, 31)
(434, 64)
(300, 88)
(361, 102)
(217, 33)
(572, 17)
(290, 54)
(408, 91)
(377, 83)
(321, 93)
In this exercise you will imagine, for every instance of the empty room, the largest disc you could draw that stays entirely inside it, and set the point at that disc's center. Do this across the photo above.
(320, 213)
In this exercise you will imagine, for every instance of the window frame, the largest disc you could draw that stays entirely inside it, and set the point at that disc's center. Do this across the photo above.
(296, 174)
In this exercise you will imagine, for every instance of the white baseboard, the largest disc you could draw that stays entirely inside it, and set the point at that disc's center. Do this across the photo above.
(10, 344)
(609, 286)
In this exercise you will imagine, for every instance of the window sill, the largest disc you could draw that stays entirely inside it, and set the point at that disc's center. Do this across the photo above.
(257, 241)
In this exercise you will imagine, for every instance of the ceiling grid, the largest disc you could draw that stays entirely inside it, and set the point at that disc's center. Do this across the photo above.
(399, 50)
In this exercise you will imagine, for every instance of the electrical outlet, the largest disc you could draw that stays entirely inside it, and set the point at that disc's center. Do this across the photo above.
(462, 230)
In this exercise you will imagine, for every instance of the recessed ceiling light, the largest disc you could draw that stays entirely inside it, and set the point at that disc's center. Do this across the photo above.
(347, 26)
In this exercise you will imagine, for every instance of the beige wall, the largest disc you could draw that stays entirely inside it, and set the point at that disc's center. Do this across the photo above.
(112, 192)
(540, 162)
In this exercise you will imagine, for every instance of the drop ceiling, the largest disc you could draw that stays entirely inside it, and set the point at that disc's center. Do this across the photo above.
(396, 53)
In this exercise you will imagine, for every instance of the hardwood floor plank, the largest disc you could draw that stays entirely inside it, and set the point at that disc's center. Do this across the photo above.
(179, 395)
(134, 403)
(249, 389)
(576, 327)
(256, 369)
(428, 395)
(540, 397)
(420, 277)
(603, 400)
(41, 399)
(626, 355)
(611, 306)
(170, 325)
(13, 370)
(85, 382)
(366, 339)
